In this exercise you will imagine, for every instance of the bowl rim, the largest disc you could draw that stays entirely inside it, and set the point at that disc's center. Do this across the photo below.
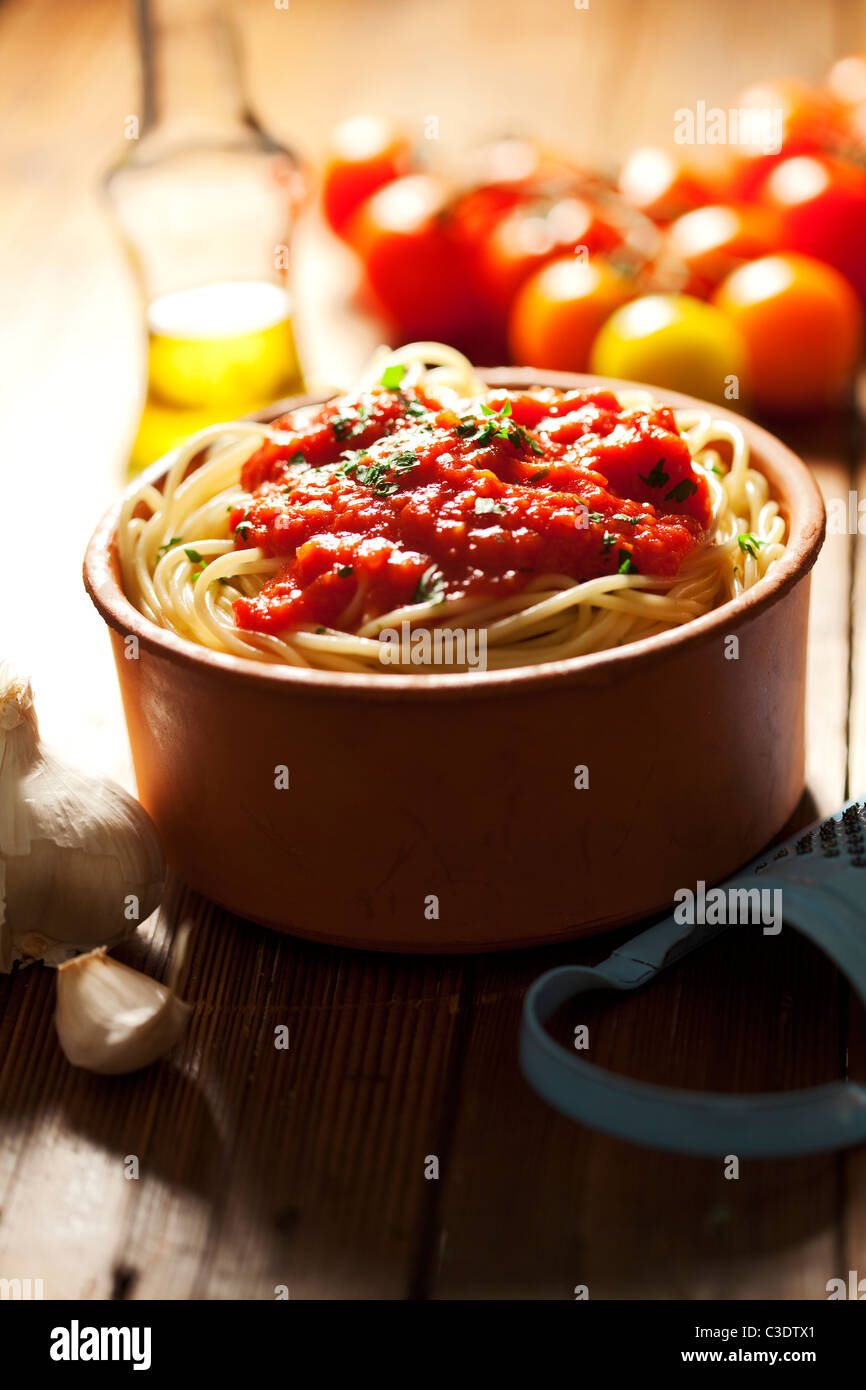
(791, 480)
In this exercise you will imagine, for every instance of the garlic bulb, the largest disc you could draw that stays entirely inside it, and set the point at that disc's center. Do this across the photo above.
(111, 1018)
(80, 861)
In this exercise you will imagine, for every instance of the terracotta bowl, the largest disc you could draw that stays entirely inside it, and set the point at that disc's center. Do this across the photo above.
(439, 812)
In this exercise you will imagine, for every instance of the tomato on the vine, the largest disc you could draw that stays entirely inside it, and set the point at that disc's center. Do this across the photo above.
(671, 340)
(418, 264)
(801, 323)
(366, 152)
(560, 309)
(777, 119)
(531, 235)
(713, 241)
(660, 185)
(821, 203)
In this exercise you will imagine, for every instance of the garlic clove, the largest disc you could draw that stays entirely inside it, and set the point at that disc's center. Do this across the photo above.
(113, 1019)
(80, 861)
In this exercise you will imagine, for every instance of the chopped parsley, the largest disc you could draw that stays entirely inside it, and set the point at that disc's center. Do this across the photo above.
(632, 520)
(243, 526)
(488, 504)
(607, 541)
(596, 517)
(378, 476)
(524, 440)
(320, 630)
(392, 376)
(497, 425)
(402, 462)
(430, 587)
(683, 489)
(537, 477)
(344, 425)
(196, 559)
(175, 540)
(345, 570)
(749, 544)
(658, 477)
(626, 563)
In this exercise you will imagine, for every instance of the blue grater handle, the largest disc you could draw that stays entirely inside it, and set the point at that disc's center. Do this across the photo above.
(712, 1124)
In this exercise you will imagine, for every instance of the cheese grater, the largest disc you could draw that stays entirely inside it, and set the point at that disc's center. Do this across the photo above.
(821, 873)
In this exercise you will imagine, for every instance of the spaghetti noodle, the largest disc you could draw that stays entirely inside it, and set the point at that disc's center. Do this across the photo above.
(189, 562)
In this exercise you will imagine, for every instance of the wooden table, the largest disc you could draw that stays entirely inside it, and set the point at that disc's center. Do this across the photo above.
(305, 1168)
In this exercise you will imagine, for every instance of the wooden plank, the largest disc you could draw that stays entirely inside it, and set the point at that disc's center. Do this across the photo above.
(258, 1167)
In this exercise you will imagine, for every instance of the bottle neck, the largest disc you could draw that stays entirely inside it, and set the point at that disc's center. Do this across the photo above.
(191, 82)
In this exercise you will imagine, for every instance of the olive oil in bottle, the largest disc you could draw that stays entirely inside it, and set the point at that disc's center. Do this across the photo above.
(214, 352)
(205, 199)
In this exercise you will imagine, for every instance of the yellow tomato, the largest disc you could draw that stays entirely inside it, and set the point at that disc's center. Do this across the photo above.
(672, 340)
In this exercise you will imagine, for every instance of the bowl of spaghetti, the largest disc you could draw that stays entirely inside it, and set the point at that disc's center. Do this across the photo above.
(463, 661)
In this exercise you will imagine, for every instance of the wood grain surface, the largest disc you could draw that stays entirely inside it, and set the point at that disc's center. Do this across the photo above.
(306, 1167)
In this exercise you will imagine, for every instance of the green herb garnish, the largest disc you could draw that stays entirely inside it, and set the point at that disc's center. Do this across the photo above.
(684, 488)
(496, 424)
(345, 571)
(626, 563)
(194, 557)
(523, 439)
(658, 477)
(632, 520)
(378, 476)
(749, 544)
(175, 540)
(430, 587)
(343, 426)
(536, 477)
(393, 376)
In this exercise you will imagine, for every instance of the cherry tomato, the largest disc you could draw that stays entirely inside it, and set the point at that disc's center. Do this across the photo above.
(660, 185)
(777, 119)
(847, 79)
(801, 323)
(560, 309)
(366, 152)
(529, 236)
(671, 340)
(713, 241)
(417, 262)
(822, 208)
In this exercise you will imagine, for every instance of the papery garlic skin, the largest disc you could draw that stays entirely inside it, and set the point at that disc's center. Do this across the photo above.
(112, 1019)
(80, 860)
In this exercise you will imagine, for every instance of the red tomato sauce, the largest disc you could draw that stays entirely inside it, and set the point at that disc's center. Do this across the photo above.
(384, 498)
